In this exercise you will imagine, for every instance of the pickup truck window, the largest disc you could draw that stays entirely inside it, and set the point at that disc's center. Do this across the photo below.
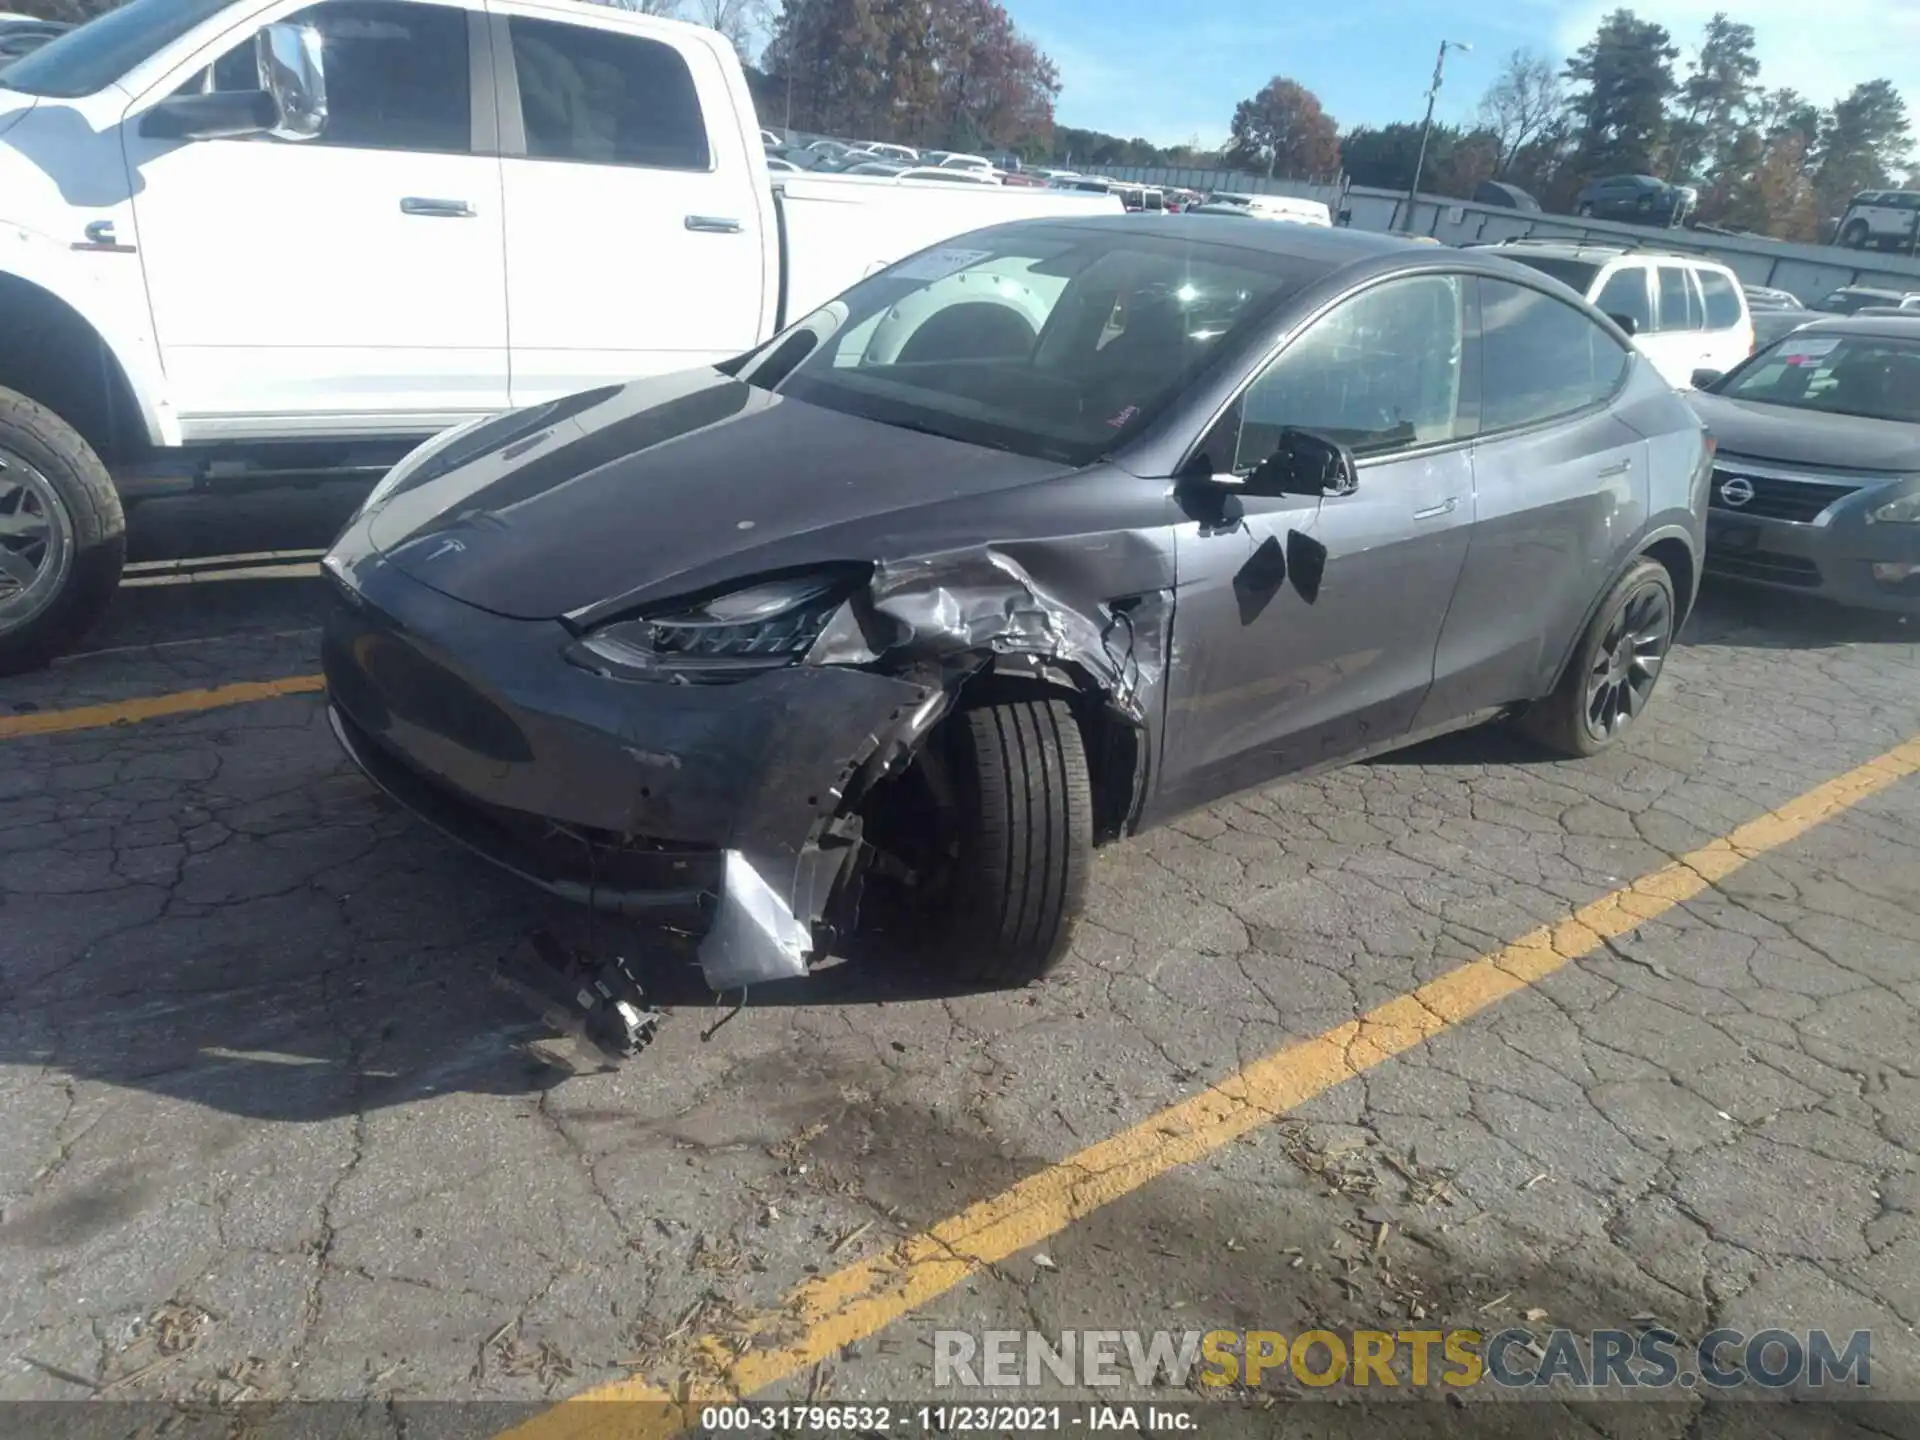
(606, 98)
(101, 51)
(397, 75)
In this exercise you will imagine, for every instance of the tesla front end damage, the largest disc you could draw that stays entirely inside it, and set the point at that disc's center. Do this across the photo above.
(700, 756)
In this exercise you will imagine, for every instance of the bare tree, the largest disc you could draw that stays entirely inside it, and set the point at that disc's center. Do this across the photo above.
(742, 21)
(669, 8)
(1521, 103)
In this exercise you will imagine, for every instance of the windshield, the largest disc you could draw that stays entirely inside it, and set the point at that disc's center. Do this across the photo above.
(1577, 274)
(1050, 342)
(1846, 302)
(1863, 375)
(98, 53)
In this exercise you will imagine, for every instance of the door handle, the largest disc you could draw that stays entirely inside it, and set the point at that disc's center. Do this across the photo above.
(713, 224)
(1445, 507)
(445, 209)
(1619, 467)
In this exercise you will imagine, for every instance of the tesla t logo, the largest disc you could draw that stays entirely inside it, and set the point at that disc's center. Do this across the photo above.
(1736, 491)
(450, 546)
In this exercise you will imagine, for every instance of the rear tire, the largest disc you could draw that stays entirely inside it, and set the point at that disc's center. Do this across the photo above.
(1615, 668)
(1585, 212)
(1854, 235)
(63, 535)
(1025, 840)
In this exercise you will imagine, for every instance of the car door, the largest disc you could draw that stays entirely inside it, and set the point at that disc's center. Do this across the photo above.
(352, 283)
(1305, 626)
(1559, 485)
(1727, 334)
(1676, 341)
(635, 221)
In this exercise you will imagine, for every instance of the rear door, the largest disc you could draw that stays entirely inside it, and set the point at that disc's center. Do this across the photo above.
(1559, 484)
(1728, 336)
(1307, 628)
(1677, 343)
(636, 216)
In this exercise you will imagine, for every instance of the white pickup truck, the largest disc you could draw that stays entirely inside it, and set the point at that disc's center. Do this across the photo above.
(248, 240)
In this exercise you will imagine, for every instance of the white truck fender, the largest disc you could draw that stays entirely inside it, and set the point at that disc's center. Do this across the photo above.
(113, 304)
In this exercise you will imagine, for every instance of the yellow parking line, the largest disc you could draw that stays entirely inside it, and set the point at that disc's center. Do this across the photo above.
(852, 1304)
(155, 707)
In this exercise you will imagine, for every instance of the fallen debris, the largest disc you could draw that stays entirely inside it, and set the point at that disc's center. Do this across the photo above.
(598, 1003)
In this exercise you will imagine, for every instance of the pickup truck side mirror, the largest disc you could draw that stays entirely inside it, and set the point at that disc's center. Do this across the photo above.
(1304, 463)
(291, 103)
(1626, 323)
(1703, 378)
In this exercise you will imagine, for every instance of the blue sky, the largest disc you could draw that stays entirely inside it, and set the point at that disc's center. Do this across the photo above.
(1173, 72)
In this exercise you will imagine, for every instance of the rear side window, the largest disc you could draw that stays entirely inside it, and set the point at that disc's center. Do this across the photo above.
(397, 75)
(606, 99)
(1540, 357)
(1679, 306)
(1723, 301)
(1625, 294)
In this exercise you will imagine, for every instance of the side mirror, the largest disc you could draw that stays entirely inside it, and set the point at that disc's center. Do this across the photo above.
(291, 103)
(1703, 378)
(1626, 323)
(293, 73)
(1305, 463)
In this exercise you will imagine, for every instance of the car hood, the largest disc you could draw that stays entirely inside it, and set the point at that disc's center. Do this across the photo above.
(620, 492)
(14, 107)
(1808, 437)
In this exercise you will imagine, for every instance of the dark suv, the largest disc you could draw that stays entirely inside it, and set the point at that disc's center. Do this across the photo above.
(1641, 199)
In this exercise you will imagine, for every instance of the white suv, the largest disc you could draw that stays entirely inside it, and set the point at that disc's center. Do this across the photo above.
(1685, 313)
(1880, 218)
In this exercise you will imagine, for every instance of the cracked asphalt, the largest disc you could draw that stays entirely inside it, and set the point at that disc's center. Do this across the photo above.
(270, 1133)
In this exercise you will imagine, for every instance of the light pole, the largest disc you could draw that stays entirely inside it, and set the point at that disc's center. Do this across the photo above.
(1426, 126)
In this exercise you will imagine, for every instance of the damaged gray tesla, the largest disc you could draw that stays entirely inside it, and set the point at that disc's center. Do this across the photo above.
(1030, 541)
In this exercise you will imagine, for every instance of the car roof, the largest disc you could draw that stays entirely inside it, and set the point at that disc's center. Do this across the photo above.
(1325, 246)
(1878, 327)
(1597, 252)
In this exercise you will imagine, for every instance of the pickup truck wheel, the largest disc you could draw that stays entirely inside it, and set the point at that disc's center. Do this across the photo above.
(63, 536)
(1854, 237)
(1614, 671)
(1025, 840)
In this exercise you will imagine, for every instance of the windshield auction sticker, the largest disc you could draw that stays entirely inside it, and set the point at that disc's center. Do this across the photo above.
(938, 264)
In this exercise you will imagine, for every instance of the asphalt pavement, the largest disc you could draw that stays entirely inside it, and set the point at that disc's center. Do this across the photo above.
(1463, 1037)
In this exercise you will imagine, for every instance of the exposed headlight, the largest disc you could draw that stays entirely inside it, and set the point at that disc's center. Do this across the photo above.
(411, 462)
(760, 627)
(1904, 511)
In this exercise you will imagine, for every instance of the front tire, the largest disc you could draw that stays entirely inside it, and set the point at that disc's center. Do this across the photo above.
(63, 535)
(1585, 212)
(1615, 668)
(1025, 840)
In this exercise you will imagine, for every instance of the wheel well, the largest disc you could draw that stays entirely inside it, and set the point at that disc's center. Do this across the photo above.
(1114, 744)
(51, 355)
(1677, 560)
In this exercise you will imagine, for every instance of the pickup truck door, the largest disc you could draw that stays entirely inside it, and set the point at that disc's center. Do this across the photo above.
(638, 223)
(351, 284)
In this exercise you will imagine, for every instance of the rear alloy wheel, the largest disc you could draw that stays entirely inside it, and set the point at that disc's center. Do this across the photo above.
(62, 535)
(1025, 839)
(1585, 212)
(1614, 671)
(1854, 237)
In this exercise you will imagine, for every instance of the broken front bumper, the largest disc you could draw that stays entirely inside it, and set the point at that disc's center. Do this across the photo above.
(722, 801)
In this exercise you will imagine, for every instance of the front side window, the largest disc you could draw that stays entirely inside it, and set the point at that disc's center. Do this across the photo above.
(1722, 300)
(1540, 357)
(1379, 373)
(1626, 295)
(606, 99)
(397, 75)
(1872, 376)
(1055, 343)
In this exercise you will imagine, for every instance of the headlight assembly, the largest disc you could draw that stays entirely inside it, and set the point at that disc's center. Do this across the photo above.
(761, 626)
(1904, 511)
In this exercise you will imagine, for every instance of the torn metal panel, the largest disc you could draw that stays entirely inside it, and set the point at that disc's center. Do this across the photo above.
(989, 600)
(837, 730)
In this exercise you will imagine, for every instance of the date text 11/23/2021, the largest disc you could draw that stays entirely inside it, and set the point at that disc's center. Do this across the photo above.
(945, 1419)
